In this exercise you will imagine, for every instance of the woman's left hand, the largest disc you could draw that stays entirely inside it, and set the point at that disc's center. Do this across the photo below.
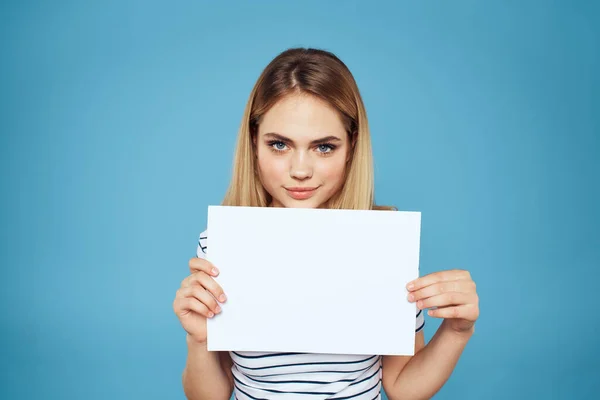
(454, 295)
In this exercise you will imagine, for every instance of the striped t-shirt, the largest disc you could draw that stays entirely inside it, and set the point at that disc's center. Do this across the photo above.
(305, 375)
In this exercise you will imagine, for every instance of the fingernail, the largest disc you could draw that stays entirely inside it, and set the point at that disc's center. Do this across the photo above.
(215, 271)
(410, 286)
(222, 298)
(218, 309)
(411, 297)
(210, 315)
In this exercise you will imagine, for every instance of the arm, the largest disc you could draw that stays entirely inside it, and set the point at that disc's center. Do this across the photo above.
(422, 375)
(207, 374)
(455, 299)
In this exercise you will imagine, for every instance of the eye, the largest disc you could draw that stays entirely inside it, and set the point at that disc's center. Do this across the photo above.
(277, 145)
(325, 148)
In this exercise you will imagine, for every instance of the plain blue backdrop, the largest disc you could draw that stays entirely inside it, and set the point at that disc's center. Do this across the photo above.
(118, 124)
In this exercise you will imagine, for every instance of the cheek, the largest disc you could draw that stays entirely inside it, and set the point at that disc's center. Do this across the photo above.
(271, 166)
(332, 169)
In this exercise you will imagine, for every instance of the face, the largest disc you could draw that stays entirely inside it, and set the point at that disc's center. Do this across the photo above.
(302, 149)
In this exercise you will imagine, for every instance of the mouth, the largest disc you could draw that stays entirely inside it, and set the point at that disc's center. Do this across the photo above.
(301, 193)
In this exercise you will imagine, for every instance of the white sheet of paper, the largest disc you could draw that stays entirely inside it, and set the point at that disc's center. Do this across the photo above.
(314, 280)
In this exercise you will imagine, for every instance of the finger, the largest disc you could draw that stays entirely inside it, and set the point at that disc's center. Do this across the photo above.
(441, 276)
(207, 282)
(200, 264)
(445, 299)
(189, 304)
(466, 311)
(191, 280)
(463, 286)
(201, 295)
(198, 279)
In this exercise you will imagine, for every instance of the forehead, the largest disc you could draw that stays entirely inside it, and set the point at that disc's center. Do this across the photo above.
(302, 117)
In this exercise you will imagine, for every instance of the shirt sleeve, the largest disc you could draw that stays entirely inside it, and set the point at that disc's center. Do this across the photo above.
(202, 245)
(420, 320)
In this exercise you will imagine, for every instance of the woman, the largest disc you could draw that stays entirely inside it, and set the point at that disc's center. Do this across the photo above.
(304, 142)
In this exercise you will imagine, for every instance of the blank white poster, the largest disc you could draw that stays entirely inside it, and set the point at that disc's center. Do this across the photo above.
(314, 280)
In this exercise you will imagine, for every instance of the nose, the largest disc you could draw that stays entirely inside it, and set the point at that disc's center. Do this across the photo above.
(301, 166)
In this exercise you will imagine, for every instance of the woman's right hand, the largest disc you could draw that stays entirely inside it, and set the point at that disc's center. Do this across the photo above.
(195, 299)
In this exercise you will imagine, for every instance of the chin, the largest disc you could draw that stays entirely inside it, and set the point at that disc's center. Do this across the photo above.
(288, 202)
(305, 204)
(308, 203)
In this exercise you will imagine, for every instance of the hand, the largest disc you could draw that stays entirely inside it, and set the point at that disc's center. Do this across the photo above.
(195, 299)
(452, 293)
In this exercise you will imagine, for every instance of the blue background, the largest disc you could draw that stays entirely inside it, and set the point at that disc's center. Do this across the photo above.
(118, 123)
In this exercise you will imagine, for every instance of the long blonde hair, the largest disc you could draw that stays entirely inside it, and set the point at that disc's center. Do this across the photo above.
(321, 74)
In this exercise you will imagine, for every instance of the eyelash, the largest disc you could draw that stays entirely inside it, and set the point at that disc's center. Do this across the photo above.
(330, 147)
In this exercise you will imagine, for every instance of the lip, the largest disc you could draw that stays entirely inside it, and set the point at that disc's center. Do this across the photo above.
(301, 193)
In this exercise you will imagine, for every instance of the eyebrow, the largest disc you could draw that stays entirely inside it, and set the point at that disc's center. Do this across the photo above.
(325, 139)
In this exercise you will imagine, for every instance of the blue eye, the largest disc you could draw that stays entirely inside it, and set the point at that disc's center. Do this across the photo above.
(325, 148)
(278, 146)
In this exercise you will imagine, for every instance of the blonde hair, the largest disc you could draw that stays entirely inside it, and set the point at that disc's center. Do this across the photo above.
(318, 73)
